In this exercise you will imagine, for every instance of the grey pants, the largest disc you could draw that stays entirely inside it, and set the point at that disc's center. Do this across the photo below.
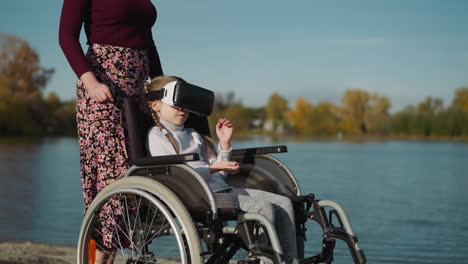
(277, 208)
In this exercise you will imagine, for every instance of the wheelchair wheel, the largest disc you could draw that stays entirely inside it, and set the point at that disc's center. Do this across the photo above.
(151, 225)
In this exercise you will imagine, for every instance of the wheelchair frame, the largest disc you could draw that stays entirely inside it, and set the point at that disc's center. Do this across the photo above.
(223, 241)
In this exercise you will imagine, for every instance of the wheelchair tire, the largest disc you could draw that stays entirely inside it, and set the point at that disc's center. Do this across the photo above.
(140, 196)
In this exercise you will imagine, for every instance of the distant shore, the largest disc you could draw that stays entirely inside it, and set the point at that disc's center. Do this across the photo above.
(245, 135)
(33, 253)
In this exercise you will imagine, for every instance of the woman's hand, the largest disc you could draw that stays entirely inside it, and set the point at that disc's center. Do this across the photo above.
(99, 92)
(231, 167)
(224, 130)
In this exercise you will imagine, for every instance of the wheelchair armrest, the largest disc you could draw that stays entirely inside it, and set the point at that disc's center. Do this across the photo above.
(259, 151)
(165, 160)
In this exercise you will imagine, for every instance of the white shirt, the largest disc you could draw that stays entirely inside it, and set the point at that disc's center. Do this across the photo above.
(189, 141)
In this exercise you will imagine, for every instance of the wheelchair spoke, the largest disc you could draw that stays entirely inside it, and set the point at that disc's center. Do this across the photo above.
(137, 215)
(101, 248)
(150, 225)
(132, 246)
(155, 235)
(127, 216)
(118, 237)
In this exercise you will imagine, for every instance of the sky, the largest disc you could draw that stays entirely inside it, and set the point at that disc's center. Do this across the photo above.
(403, 49)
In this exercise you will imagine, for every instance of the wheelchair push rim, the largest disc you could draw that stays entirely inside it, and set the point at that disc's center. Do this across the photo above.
(153, 226)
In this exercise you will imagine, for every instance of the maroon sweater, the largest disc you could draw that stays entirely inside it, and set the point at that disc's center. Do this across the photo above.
(123, 23)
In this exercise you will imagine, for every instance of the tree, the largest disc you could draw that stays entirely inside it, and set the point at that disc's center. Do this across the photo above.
(20, 69)
(354, 107)
(22, 80)
(325, 119)
(298, 115)
(426, 113)
(378, 113)
(276, 109)
(402, 122)
(239, 116)
(460, 99)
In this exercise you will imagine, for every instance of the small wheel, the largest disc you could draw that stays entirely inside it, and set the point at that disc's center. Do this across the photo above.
(150, 225)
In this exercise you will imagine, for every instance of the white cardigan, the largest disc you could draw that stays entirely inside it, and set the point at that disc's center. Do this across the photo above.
(189, 141)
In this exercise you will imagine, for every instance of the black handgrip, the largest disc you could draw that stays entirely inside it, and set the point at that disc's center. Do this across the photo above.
(259, 151)
(165, 160)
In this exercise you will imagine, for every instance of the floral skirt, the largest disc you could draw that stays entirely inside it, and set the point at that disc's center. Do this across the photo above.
(101, 128)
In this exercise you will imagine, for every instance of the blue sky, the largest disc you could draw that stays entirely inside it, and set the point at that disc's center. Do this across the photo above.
(406, 50)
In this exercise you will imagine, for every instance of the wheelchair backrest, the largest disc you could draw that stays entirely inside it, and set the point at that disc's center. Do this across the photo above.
(138, 121)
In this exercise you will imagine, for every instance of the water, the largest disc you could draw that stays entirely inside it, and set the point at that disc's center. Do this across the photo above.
(407, 201)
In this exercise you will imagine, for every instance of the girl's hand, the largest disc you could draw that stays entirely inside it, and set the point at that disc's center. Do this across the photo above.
(99, 92)
(231, 167)
(224, 130)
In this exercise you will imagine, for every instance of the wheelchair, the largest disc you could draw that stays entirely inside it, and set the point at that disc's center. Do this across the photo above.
(168, 213)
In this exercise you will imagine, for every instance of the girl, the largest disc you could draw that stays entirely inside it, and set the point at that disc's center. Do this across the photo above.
(169, 137)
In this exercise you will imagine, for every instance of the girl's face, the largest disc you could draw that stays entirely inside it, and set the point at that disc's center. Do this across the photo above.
(169, 113)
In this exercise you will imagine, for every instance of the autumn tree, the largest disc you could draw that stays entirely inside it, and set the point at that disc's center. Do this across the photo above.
(22, 80)
(354, 108)
(325, 119)
(275, 110)
(298, 116)
(460, 99)
(20, 69)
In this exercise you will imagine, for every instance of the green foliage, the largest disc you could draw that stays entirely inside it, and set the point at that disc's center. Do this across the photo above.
(430, 118)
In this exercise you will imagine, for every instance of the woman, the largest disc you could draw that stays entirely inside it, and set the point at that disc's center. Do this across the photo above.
(121, 56)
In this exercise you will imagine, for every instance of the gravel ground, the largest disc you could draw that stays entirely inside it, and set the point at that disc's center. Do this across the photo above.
(33, 253)
(37, 253)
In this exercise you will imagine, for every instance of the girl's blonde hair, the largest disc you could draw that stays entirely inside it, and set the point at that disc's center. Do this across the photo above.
(156, 84)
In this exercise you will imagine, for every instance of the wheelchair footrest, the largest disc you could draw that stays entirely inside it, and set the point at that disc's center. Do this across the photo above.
(252, 261)
(325, 256)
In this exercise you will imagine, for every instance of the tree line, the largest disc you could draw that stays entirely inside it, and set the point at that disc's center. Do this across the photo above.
(26, 111)
(359, 113)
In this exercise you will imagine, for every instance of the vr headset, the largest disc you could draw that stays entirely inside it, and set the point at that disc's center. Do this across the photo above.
(185, 96)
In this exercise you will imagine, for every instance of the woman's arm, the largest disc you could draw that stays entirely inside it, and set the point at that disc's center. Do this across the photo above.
(71, 21)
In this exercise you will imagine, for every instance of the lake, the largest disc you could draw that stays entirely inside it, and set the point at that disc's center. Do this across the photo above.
(407, 200)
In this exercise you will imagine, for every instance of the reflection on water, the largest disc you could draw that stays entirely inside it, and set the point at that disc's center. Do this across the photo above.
(40, 191)
(406, 200)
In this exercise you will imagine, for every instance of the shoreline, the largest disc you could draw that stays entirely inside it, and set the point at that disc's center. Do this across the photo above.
(32, 253)
(291, 137)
